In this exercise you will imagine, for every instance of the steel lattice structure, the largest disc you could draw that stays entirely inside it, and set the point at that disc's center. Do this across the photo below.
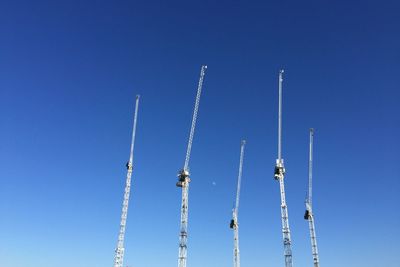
(309, 212)
(119, 251)
(184, 179)
(279, 174)
(234, 222)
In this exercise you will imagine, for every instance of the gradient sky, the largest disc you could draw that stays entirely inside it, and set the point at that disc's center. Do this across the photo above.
(69, 73)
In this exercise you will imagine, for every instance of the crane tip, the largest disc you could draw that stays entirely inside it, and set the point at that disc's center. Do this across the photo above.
(281, 71)
(243, 141)
(137, 96)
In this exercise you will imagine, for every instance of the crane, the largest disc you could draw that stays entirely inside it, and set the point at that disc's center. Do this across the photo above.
(309, 213)
(234, 222)
(279, 174)
(119, 251)
(184, 178)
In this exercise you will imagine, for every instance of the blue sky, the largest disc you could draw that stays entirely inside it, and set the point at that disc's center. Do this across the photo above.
(69, 73)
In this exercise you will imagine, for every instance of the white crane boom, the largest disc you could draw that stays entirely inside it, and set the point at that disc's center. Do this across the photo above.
(194, 118)
(309, 212)
(310, 163)
(119, 251)
(234, 222)
(184, 179)
(242, 146)
(279, 174)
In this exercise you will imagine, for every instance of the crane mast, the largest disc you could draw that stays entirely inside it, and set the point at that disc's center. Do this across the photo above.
(309, 213)
(279, 174)
(184, 179)
(234, 222)
(119, 251)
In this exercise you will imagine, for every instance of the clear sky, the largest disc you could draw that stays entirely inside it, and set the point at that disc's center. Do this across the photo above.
(69, 73)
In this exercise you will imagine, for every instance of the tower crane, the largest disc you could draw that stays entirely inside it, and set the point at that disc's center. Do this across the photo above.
(184, 179)
(279, 175)
(309, 213)
(234, 222)
(119, 251)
